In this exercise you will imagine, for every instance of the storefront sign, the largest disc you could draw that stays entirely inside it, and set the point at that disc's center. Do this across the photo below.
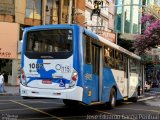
(109, 36)
(4, 54)
(9, 35)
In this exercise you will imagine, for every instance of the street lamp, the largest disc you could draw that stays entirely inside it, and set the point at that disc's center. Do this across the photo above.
(97, 8)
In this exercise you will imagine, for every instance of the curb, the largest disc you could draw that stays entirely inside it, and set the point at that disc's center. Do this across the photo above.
(9, 94)
(146, 98)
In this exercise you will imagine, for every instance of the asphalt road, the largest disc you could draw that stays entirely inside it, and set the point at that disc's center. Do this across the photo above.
(16, 108)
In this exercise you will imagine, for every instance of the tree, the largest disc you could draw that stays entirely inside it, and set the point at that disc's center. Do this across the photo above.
(150, 37)
(127, 44)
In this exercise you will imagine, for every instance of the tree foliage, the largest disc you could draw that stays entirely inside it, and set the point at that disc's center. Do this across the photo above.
(150, 36)
(127, 44)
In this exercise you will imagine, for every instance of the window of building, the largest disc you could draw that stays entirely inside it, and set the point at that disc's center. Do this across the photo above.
(105, 24)
(118, 17)
(105, 9)
(158, 2)
(151, 2)
(65, 14)
(52, 11)
(135, 17)
(33, 9)
(7, 7)
(144, 2)
(127, 20)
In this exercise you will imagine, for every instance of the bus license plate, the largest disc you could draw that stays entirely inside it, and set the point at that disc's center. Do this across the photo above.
(46, 81)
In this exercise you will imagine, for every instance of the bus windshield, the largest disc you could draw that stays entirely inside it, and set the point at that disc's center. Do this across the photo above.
(49, 41)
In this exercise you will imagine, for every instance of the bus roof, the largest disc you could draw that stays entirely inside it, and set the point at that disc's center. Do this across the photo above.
(50, 26)
(111, 44)
(89, 32)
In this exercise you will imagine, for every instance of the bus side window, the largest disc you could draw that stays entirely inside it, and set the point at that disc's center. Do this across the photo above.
(133, 65)
(125, 63)
(108, 57)
(117, 60)
(121, 66)
(87, 49)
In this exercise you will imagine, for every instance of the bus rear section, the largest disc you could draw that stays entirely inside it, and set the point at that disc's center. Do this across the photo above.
(47, 64)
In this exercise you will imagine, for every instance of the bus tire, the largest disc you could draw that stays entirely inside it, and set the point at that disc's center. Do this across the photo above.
(112, 99)
(139, 90)
(70, 103)
(24, 97)
(135, 99)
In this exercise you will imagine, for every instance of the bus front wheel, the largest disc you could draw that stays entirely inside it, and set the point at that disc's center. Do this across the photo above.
(112, 100)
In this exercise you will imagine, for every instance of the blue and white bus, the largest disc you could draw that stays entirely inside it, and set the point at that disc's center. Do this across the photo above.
(72, 63)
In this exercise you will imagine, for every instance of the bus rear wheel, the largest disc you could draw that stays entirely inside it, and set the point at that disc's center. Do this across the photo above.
(112, 100)
(135, 98)
(70, 103)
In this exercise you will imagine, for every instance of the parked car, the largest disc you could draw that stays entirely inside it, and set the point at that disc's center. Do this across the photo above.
(156, 83)
(147, 86)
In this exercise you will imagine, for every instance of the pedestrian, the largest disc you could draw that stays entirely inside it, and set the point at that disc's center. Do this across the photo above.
(1, 83)
(5, 77)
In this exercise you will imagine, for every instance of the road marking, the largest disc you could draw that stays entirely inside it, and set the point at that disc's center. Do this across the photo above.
(74, 117)
(154, 91)
(26, 109)
(5, 103)
(36, 110)
(103, 112)
(43, 102)
(114, 114)
(127, 102)
(156, 111)
(12, 109)
(29, 101)
(147, 98)
(4, 100)
(43, 118)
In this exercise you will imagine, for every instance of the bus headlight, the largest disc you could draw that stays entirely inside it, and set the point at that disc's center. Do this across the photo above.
(74, 78)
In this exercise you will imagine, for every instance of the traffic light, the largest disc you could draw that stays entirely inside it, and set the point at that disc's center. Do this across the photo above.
(97, 8)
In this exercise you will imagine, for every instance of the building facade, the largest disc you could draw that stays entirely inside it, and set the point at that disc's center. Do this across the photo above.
(15, 15)
(128, 16)
(102, 24)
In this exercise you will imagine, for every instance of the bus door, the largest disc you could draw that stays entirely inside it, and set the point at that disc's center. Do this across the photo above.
(95, 71)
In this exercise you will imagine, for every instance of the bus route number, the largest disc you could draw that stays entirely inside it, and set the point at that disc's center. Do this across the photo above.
(36, 65)
(63, 68)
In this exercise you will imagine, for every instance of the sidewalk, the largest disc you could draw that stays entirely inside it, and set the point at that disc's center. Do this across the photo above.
(152, 97)
(10, 90)
(155, 90)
